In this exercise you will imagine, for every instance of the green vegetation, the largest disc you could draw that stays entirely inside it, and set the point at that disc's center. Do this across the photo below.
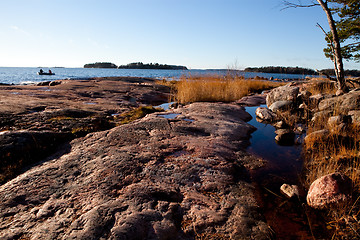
(348, 28)
(140, 65)
(137, 113)
(343, 18)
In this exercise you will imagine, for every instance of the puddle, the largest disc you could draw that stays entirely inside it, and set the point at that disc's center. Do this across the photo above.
(188, 120)
(165, 106)
(169, 115)
(90, 103)
(283, 160)
(288, 218)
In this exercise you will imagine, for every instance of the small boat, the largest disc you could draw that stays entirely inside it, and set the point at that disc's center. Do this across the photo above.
(45, 73)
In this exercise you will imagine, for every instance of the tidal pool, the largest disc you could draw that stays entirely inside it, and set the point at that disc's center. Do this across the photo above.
(288, 218)
(284, 161)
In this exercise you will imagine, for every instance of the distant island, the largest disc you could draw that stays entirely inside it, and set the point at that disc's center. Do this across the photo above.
(331, 72)
(100, 65)
(299, 70)
(285, 70)
(136, 65)
(140, 65)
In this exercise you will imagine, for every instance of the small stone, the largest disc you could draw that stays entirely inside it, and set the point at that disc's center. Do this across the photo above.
(299, 128)
(290, 191)
(329, 190)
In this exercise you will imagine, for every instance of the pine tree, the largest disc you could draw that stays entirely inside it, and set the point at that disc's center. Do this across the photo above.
(344, 30)
(348, 28)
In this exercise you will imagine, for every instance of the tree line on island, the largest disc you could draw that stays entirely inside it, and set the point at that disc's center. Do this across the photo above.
(135, 65)
(300, 70)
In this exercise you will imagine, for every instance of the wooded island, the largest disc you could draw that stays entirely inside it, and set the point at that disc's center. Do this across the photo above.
(135, 65)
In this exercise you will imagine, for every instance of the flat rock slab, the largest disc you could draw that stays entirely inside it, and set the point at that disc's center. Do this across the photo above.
(93, 95)
(71, 108)
(156, 178)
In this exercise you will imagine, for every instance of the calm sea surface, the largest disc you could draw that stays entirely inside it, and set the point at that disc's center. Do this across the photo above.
(20, 75)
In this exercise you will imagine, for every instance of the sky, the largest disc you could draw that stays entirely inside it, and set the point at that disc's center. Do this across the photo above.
(199, 34)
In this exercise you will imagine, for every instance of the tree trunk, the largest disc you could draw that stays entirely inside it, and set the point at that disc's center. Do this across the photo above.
(339, 67)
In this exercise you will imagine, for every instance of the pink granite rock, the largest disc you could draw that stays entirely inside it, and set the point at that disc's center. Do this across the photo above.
(155, 178)
(329, 190)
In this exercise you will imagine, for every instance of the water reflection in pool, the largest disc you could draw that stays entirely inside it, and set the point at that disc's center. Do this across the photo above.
(289, 219)
(284, 161)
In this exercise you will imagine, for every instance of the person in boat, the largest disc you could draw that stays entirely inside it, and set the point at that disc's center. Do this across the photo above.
(41, 71)
(50, 71)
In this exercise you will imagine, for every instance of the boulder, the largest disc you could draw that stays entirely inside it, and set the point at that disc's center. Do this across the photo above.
(320, 135)
(290, 191)
(284, 137)
(252, 100)
(339, 119)
(355, 116)
(284, 93)
(54, 83)
(314, 100)
(281, 106)
(320, 116)
(329, 190)
(343, 103)
(304, 95)
(265, 114)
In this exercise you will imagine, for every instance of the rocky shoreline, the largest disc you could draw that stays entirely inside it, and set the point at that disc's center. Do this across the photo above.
(71, 168)
(181, 176)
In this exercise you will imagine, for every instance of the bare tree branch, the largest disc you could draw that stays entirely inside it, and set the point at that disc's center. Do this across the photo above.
(288, 4)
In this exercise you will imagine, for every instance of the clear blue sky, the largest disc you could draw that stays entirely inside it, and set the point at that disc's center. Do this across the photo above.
(194, 33)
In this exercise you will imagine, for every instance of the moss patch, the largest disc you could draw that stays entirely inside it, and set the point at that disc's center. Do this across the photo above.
(137, 113)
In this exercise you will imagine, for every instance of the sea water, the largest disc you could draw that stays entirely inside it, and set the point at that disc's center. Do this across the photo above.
(24, 75)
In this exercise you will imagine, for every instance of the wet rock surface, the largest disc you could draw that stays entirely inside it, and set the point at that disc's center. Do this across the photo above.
(155, 178)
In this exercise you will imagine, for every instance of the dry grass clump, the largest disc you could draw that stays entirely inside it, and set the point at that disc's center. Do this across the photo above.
(217, 88)
(323, 86)
(336, 150)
